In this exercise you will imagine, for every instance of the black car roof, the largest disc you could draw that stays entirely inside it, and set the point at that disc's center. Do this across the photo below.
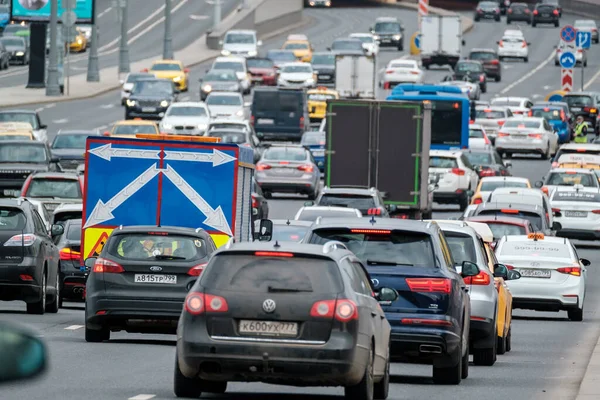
(428, 227)
(166, 229)
(335, 253)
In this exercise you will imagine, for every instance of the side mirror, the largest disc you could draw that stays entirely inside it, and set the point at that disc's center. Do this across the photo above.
(387, 295)
(585, 262)
(500, 271)
(513, 275)
(470, 193)
(57, 230)
(265, 230)
(539, 184)
(259, 43)
(391, 207)
(254, 211)
(309, 203)
(23, 353)
(54, 160)
(89, 262)
(463, 42)
(507, 164)
(121, 81)
(469, 269)
(43, 126)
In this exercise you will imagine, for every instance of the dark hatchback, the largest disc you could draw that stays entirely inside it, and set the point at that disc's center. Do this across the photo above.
(487, 162)
(324, 66)
(287, 314)
(150, 98)
(17, 48)
(487, 10)
(545, 14)
(388, 32)
(279, 113)
(472, 71)
(280, 57)
(430, 318)
(364, 199)
(139, 282)
(586, 104)
(518, 12)
(72, 276)
(490, 60)
(18, 159)
(69, 148)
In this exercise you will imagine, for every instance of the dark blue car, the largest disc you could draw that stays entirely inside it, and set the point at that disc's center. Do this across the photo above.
(315, 141)
(430, 319)
(556, 117)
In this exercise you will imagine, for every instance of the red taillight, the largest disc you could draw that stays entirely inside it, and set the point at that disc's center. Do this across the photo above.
(535, 135)
(252, 120)
(487, 172)
(509, 211)
(105, 266)
(555, 12)
(254, 202)
(262, 167)
(524, 44)
(197, 303)
(502, 134)
(458, 171)
(526, 11)
(419, 321)
(500, 123)
(436, 285)
(501, 44)
(510, 267)
(25, 277)
(197, 270)
(301, 122)
(343, 310)
(590, 109)
(306, 168)
(535, 12)
(371, 231)
(480, 279)
(575, 271)
(495, 62)
(481, 78)
(595, 211)
(272, 254)
(509, 11)
(374, 211)
(545, 190)
(556, 210)
(480, 11)
(389, 71)
(26, 186)
(477, 200)
(67, 254)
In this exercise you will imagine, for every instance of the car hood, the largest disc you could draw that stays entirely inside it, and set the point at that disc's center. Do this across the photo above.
(262, 71)
(168, 74)
(11, 49)
(151, 98)
(184, 120)
(23, 167)
(221, 84)
(239, 46)
(69, 154)
(295, 76)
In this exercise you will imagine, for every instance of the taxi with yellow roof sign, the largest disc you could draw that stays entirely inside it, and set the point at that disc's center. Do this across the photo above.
(132, 127)
(317, 101)
(585, 161)
(301, 47)
(171, 69)
(16, 131)
(552, 276)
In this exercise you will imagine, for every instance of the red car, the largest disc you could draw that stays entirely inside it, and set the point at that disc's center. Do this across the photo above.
(504, 226)
(263, 71)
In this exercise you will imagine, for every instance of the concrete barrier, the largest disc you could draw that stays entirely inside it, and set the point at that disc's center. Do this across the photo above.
(264, 16)
(584, 8)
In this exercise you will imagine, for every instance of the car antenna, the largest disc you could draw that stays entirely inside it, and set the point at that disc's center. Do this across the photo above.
(288, 222)
(276, 245)
(372, 220)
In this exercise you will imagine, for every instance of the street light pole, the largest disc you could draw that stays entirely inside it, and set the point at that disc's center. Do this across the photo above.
(123, 49)
(52, 86)
(93, 74)
(168, 41)
(217, 13)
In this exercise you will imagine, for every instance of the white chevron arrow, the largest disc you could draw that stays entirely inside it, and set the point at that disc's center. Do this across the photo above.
(216, 157)
(103, 211)
(214, 217)
(106, 152)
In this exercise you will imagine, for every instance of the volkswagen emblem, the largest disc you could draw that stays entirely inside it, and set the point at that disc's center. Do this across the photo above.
(269, 305)
(375, 282)
(155, 269)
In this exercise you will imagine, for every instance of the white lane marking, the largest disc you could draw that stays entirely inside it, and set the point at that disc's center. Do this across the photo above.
(528, 75)
(50, 105)
(547, 87)
(592, 80)
(198, 17)
(158, 21)
(37, 110)
(103, 13)
(100, 128)
(107, 106)
(73, 327)
(143, 397)
(61, 121)
(535, 96)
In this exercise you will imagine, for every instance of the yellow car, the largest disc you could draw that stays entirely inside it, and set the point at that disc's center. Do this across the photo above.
(16, 131)
(580, 161)
(301, 47)
(489, 183)
(173, 70)
(132, 127)
(317, 101)
(80, 43)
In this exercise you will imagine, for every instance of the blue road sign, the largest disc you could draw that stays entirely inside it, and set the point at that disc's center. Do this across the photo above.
(567, 60)
(418, 41)
(567, 33)
(583, 39)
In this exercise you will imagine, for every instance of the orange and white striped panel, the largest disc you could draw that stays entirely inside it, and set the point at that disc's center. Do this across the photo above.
(423, 7)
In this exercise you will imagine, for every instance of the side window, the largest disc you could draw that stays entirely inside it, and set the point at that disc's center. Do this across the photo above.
(509, 113)
(38, 223)
(348, 270)
(465, 161)
(446, 251)
(365, 283)
(497, 158)
(485, 255)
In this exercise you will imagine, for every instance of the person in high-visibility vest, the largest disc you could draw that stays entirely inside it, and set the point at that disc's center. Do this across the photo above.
(580, 131)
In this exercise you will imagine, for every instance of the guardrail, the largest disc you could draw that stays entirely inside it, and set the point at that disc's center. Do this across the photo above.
(585, 8)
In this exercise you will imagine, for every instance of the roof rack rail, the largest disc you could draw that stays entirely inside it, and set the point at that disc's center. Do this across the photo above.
(350, 186)
(333, 245)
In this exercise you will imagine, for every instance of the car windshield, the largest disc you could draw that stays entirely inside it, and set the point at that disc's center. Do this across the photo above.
(297, 69)
(443, 162)
(578, 100)
(489, 114)
(398, 247)
(475, 133)
(535, 249)
(546, 113)
(157, 246)
(245, 273)
(571, 178)
(166, 67)
(347, 45)
(238, 137)
(74, 231)
(239, 38)
(323, 59)
(20, 153)
(66, 215)
(482, 55)
(259, 63)
(12, 219)
(311, 139)
(285, 154)
(387, 27)
(461, 246)
(12, 41)
(468, 67)
(221, 100)
(535, 219)
(235, 66)
(296, 46)
(520, 124)
(362, 203)
(507, 103)
(281, 56)
(186, 111)
(221, 76)
(288, 233)
(54, 188)
(479, 158)
(364, 39)
(132, 78)
(30, 118)
(70, 141)
(153, 88)
(500, 230)
(490, 186)
(311, 215)
(134, 129)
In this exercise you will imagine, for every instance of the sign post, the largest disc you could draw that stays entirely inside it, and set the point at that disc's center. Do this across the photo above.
(567, 59)
(566, 78)
(583, 41)
(69, 18)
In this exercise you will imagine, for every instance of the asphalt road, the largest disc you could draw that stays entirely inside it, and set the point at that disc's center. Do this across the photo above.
(550, 353)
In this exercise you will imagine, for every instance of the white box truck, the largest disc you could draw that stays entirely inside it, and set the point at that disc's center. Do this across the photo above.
(355, 76)
(441, 40)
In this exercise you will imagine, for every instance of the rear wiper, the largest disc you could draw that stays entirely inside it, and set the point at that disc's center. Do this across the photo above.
(168, 257)
(377, 262)
(272, 289)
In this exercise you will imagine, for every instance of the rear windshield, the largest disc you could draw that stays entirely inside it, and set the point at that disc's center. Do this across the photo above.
(147, 246)
(490, 186)
(479, 158)
(469, 67)
(285, 101)
(546, 7)
(230, 137)
(311, 139)
(580, 197)
(535, 249)
(133, 129)
(312, 215)
(65, 216)
(288, 233)
(571, 179)
(69, 141)
(59, 188)
(347, 200)
(508, 103)
(12, 219)
(489, 114)
(443, 162)
(398, 247)
(482, 55)
(475, 134)
(266, 274)
(535, 219)
(499, 230)
(461, 246)
(578, 100)
(547, 113)
(285, 154)
(522, 124)
(74, 232)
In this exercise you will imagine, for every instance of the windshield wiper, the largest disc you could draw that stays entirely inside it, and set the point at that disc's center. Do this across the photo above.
(377, 262)
(272, 289)
(168, 257)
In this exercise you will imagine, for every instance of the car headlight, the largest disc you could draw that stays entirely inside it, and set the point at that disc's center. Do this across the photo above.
(177, 79)
(202, 127)
(207, 88)
(396, 37)
(310, 81)
(252, 53)
(240, 113)
(130, 103)
(79, 41)
(19, 53)
(167, 126)
(376, 37)
(164, 103)
(225, 53)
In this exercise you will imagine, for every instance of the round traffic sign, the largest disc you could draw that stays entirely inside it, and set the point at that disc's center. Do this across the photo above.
(68, 18)
(567, 60)
(567, 33)
(556, 95)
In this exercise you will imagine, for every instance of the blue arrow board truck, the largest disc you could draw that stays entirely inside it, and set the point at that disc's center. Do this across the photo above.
(193, 184)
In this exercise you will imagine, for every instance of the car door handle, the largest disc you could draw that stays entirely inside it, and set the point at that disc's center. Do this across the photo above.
(373, 314)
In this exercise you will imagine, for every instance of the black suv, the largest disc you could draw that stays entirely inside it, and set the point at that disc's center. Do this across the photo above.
(150, 98)
(279, 113)
(487, 10)
(472, 71)
(518, 12)
(323, 64)
(490, 60)
(388, 32)
(586, 104)
(364, 199)
(545, 14)
(29, 258)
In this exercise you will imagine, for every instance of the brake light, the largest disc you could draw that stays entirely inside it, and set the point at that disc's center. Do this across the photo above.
(306, 168)
(501, 122)
(374, 211)
(480, 279)
(509, 11)
(477, 200)
(545, 190)
(510, 267)
(458, 171)
(197, 270)
(535, 135)
(571, 172)
(535, 12)
(562, 115)
(595, 211)
(495, 62)
(556, 210)
(555, 12)
(530, 113)
(501, 44)
(527, 11)
(371, 231)
(436, 285)
(481, 78)
(509, 211)
(301, 122)
(252, 120)
(389, 71)
(590, 110)
(524, 44)
(262, 167)
(105, 266)
(419, 321)
(414, 72)
(67, 254)
(284, 162)
(575, 271)
(254, 202)
(479, 11)
(342, 309)
(26, 239)
(502, 134)
(197, 303)
(487, 172)
(272, 254)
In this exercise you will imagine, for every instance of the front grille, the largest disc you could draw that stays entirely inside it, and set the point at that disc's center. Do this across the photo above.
(15, 175)
(187, 127)
(296, 82)
(148, 103)
(70, 163)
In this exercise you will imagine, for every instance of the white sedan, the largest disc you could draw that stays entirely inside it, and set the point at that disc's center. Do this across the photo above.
(226, 105)
(516, 105)
(402, 71)
(186, 118)
(527, 136)
(368, 41)
(513, 47)
(552, 275)
(577, 211)
(469, 88)
(298, 74)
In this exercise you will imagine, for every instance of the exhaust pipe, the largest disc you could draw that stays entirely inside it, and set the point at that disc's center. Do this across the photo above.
(427, 348)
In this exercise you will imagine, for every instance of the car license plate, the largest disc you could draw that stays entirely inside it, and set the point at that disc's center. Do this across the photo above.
(257, 78)
(148, 109)
(517, 136)
(12, 192)
(545, 15)
(318, 153)
(325, 76)
(575, 108)
(265, 121)
(153, 278)
(385, 40)
(535, 273)
(268, 328)
(576, 214)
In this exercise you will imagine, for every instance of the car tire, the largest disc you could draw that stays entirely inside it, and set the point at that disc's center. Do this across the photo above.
(497, 19)
(556, 24)
(267, 194)
(54, 306)
(364, 390)
(476, 19)
(97, 335)
(509, 339)
(546, 155)
(313, 195)
(218, 387)
(508, 21)
(526, 59)
(401, 46)
(501, 345)
(184, 386)
(484, 89)
(498, 78)
(448, 375)
(382, 388)
(39, 306)
(576, 315)
(556, 63)
(585, 63)
(533, 24)
(464, 374)
(463, 202)
(485, 357)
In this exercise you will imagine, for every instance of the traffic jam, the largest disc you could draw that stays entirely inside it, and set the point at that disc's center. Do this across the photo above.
(159, 224)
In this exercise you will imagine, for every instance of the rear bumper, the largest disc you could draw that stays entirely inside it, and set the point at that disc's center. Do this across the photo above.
(439, 59)
(12, 287)
(287, 187)
(580, 234)
(543, 304)
(534, 294)
(448, 197)
(424, 345)
(545, 20)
